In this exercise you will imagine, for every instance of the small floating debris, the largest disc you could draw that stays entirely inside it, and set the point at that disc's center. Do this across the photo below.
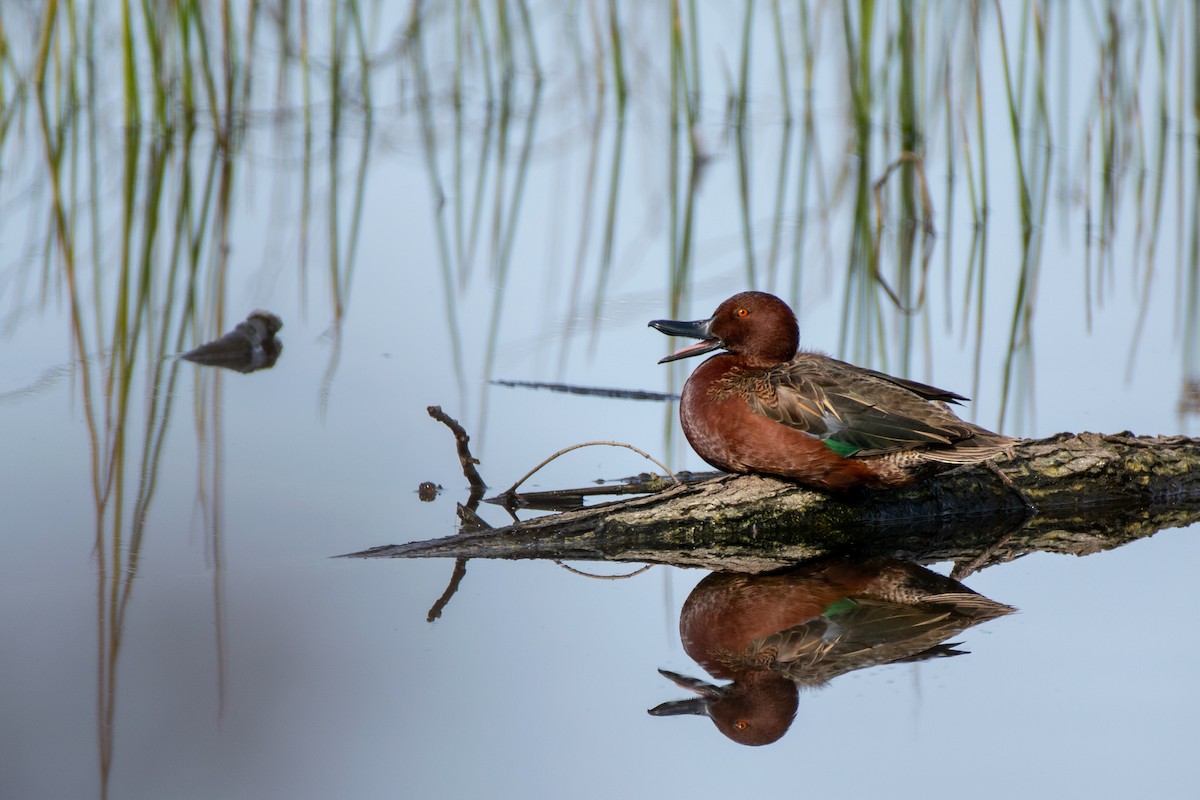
(250, 346)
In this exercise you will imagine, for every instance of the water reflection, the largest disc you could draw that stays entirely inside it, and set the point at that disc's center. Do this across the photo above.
(250, 346)
(476, 99)
(772, 634)
(142, 226)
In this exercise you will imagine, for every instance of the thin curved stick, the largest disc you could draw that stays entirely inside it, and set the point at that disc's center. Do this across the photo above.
(513, 489)
(637, 571)
(462, 443)
(460, 571)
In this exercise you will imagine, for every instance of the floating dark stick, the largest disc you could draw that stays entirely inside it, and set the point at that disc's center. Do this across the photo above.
(591, 391)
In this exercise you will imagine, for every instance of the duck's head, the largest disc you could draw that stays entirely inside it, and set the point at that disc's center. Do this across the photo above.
(755, 325)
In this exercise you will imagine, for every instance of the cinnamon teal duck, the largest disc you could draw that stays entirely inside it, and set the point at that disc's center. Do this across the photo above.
(763, 407)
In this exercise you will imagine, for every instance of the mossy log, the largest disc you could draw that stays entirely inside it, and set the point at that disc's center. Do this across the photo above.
(1091, 492)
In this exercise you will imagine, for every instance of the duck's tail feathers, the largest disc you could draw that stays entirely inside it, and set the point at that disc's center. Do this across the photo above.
(983, 446)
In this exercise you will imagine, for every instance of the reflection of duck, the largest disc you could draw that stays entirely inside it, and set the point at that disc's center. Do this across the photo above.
(762, 407)
(769, 634)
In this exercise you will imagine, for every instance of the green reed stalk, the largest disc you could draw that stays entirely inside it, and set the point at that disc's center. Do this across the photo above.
(485, 54)
(158, 73)
(586, 216)
(694, 84)
(187, 88)
(807, 150)
(306, 170)
(487, 148)
(1192, 304)
(951, 175)
(1157, 192)
(246, 63)
(912, 137)
(620, 85)
(531, 42)
(610, 218)
(504, 47)
(206, 63)
(981, 209)
(911, 142)
(741, 138)
(1015, 123)
(677, 90)
(6, 65)
(65, 240)
(780, 203)
(457, 83)
(781, 62)
(785, 149)
(429, 145)
(350, 259)
(506, 233)
(44, 40)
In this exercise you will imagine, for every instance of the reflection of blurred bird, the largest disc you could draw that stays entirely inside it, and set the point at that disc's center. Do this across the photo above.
(762, 407)
(769, 634)
(250, 346)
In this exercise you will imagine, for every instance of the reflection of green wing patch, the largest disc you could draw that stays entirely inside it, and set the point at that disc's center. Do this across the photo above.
(841, 448)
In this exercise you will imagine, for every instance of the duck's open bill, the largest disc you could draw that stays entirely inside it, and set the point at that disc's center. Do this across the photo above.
(707, 692)
(699, 329)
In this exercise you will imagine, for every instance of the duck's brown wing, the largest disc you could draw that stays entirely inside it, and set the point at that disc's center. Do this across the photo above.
(924, 389)
(856, 410)
(863, 633)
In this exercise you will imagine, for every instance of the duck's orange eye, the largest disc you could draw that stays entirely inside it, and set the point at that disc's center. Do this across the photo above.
(742, 312)
(741, 724)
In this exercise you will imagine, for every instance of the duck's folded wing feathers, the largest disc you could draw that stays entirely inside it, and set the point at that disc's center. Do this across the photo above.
(862, 409)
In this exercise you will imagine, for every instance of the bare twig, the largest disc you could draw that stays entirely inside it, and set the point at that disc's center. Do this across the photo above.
(471, 521)
(462, 442)
(637, 571)
(460, 569)
(563, 499)
(512, 490)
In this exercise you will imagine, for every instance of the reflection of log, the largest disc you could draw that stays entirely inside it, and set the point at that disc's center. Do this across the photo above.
(1092, 492)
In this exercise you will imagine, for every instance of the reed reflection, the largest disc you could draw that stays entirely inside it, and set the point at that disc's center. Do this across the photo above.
(771, 634)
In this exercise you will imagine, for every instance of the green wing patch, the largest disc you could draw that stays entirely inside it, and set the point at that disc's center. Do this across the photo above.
(839, 607)
(843, 449)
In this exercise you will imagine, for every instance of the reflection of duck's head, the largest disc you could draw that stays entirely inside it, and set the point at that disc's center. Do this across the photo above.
(770, 634)
(752, 712)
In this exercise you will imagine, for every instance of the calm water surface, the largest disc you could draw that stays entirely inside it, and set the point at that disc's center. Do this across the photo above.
(175, 625)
